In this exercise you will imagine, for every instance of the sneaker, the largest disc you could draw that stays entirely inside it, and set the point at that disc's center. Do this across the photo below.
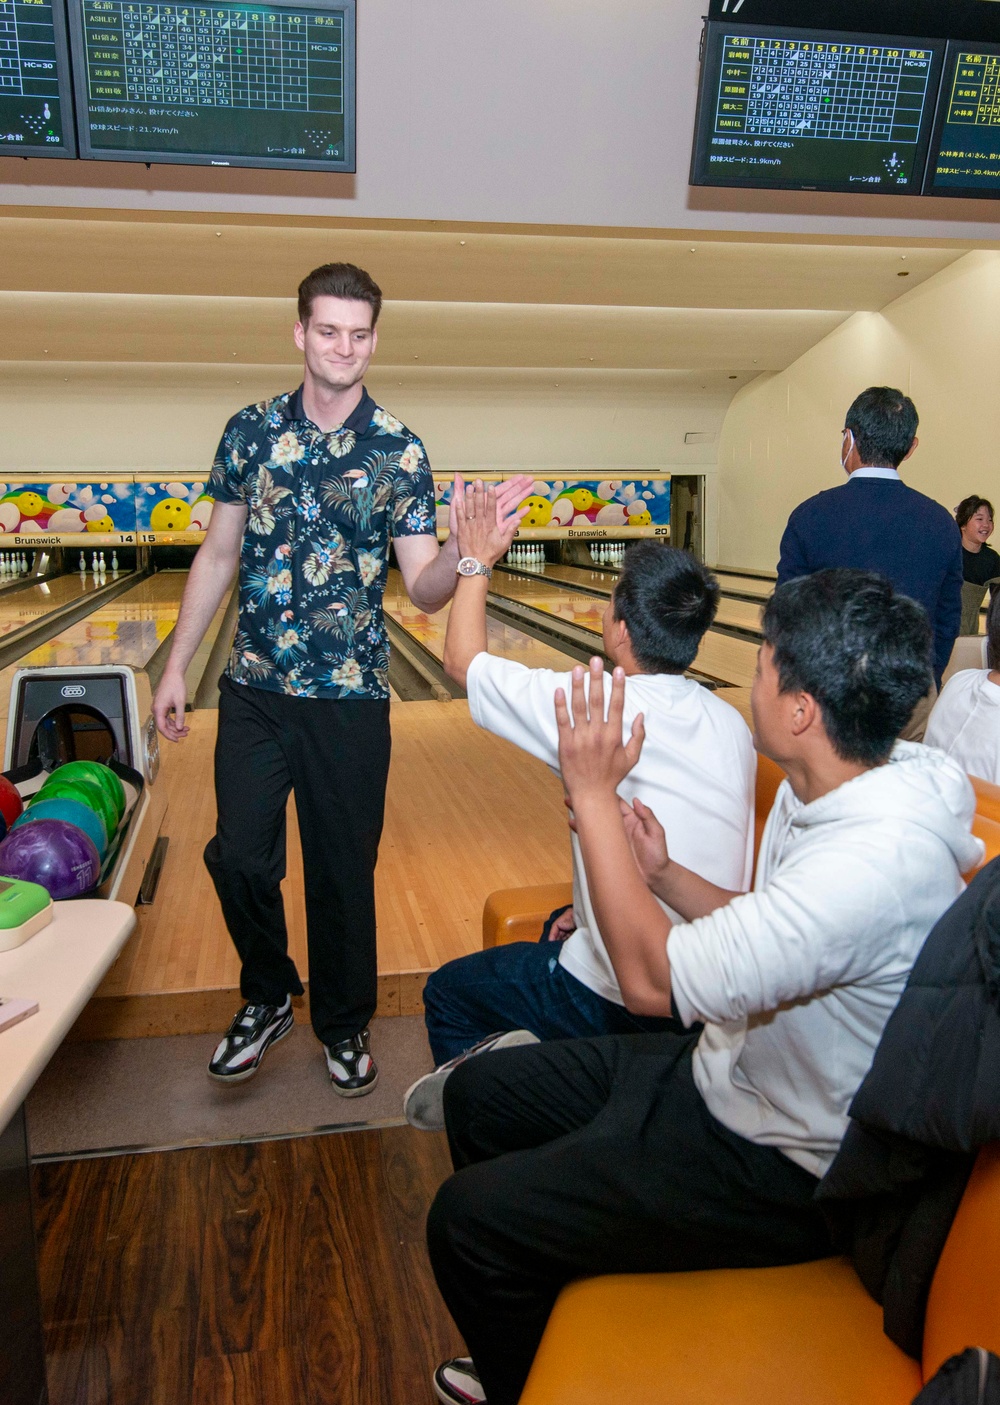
(351, 1066)
(456, 1382)
(246, 1041)
(423, 1105)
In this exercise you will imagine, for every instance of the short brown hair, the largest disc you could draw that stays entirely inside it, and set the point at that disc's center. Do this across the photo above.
(339, 280)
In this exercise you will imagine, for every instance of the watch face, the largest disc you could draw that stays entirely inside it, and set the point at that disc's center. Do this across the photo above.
(468, 566)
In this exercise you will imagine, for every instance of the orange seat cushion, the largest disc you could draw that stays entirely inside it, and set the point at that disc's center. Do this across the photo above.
(964, 1305)
(803, 1335)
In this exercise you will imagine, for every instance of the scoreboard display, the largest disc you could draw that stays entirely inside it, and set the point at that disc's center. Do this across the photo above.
(815, 110)
(965, 159)
(219, 85)
(36, 110)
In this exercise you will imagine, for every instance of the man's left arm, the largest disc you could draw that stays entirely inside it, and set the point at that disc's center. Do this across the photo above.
(429, 570)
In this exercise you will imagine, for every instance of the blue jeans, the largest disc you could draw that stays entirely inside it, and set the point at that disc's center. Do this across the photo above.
(520, 986)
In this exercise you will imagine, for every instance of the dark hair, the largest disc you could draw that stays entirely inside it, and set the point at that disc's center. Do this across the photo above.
(884, 423)
(860, 649)
(993, 632)
(339, 280)
(667, 600)
(968, 508)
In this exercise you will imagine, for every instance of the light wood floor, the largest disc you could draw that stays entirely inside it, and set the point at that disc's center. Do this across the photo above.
(466, 813)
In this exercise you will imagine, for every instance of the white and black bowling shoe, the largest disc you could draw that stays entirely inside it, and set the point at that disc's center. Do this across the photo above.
(253, 1030)
(456, 1382)
(351, 1066)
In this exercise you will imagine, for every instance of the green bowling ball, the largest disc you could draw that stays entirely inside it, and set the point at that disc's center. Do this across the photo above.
(87, 792)
(100, 775)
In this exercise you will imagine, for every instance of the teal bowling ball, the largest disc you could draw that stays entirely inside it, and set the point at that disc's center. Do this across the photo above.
(73, 812)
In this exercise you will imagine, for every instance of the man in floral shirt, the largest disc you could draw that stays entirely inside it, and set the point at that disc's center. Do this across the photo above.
(309, 489)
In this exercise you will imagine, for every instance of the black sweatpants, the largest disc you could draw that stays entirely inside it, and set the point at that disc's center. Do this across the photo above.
(594, 1156)
(334, 754)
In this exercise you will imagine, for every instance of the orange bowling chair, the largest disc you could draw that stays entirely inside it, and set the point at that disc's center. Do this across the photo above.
(805, 1333)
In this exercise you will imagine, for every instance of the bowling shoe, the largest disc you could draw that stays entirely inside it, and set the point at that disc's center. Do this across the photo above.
(351, 1066)
(456, 1382)
(423, 1102)
(253, 1030)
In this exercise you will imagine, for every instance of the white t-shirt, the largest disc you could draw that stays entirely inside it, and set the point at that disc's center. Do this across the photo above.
(796, 980)
(696, 773)
(965, 723)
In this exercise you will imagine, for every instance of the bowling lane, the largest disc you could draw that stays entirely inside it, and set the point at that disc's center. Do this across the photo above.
(721, 657)
(28, 606)
(738, 614)
(746, 585)
(127, 630)
(503, 639)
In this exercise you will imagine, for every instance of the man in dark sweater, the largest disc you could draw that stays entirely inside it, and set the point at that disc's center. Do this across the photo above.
(875, 522)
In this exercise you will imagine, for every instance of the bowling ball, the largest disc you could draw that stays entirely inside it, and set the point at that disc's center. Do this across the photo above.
(11, 803)
(73, 813)
(53, 853)
(87, 792)
(101, 775)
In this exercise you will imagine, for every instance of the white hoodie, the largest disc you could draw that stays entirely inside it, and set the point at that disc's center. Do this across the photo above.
(796, 980)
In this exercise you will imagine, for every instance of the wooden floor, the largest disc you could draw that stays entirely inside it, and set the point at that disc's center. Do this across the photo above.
(276, 1273)
(466, 813)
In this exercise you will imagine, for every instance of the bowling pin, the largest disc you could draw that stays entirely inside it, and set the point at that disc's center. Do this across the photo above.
(83, 564)
(93, 562)
(114, 562)
(100, 562)
(24, 562)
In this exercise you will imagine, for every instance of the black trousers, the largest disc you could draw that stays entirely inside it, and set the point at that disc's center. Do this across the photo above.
(594, 1156)
(334, 754)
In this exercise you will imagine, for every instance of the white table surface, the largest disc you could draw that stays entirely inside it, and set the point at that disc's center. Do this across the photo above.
(61, 966)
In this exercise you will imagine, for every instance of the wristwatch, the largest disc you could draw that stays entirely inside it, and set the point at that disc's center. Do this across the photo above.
(469, 566)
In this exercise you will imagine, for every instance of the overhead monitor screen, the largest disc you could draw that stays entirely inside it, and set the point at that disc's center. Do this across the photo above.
(965, 152)
(219, 85)
(36, 110)
(814, 110)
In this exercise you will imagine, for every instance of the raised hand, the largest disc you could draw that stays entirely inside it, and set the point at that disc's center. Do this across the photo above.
(508, 494)
(483, 529)
(593, 758)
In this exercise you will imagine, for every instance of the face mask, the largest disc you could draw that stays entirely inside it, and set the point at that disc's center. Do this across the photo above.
(845, 456)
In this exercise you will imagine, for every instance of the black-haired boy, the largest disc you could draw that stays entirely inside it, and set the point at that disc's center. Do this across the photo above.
(670, 1152)
(697, 771)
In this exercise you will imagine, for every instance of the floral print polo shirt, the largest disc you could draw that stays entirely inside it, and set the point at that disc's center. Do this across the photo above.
(320, 512)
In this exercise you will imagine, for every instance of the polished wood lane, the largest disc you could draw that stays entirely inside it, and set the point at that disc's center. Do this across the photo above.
(31, 604)
(275, 1273)
(465, 813)
(502, 639)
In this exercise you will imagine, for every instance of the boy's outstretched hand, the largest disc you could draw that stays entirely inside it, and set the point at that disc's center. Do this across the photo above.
(593, 758)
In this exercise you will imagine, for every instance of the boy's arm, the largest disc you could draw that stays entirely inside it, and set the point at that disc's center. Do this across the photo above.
(484, 533)
(594, 761)
(679, 887)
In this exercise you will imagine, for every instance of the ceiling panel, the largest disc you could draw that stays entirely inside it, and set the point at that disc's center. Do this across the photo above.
(231, 260)
(116, 327)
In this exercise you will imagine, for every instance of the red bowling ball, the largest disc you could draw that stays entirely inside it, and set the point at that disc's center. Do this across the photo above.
(11, 803)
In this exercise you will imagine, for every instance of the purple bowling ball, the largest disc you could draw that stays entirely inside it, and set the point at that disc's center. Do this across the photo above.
(53, 853)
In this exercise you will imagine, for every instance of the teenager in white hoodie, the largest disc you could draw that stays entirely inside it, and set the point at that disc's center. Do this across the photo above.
(665, 1152)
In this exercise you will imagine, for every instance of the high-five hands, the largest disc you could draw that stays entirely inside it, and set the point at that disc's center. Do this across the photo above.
(483, 519)
(593, 758)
